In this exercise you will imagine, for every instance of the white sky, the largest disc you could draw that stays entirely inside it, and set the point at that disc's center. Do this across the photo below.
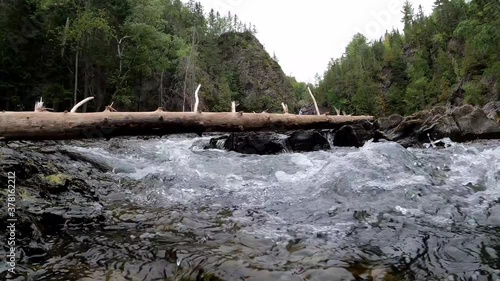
(305, 35)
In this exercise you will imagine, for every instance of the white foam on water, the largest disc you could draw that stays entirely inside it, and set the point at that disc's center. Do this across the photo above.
(257, 182)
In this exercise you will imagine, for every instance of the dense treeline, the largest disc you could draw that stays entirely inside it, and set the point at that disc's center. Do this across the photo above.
(141, 54)
(449, 57)
(138, 54)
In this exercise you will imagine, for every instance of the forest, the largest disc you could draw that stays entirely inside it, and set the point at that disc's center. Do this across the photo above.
(137, 54)
(450, 57)
(142, 54)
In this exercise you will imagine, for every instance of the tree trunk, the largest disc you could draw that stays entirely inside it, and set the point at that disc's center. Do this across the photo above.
(76, 77)
(160, 100)
(86, 84)
(59, 126)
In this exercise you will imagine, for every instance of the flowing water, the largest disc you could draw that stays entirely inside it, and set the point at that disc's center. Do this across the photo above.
(380, 212)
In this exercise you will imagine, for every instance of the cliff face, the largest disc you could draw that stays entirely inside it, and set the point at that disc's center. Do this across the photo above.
(256, 81)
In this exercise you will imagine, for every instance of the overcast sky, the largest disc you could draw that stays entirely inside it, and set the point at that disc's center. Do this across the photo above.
(305, 35)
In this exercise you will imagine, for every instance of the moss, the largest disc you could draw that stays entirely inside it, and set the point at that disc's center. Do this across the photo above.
(57, 179)
(24, 194)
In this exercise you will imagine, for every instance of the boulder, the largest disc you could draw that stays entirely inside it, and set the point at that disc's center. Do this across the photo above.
(443, 126)
(463, 123)
(310, 140)
(405, 133)
(256, 143)
(492, 110)
(354, 135)
(476, 125)
(462, 111)
(217, 143)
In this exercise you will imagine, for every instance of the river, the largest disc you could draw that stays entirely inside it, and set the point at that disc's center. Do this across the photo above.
(380, 212)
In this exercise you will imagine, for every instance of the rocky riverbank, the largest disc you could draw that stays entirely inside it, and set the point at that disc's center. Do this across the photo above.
(460, 124)
(57, 191)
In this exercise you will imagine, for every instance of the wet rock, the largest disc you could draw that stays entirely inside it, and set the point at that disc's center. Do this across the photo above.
(217, 142)
(354, 135)
(263, 143)
(54, 194)
(74, 155)
(255, 143)
(307, 141)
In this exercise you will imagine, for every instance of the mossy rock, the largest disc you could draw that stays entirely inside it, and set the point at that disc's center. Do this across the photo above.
(57, 179)
(55, 183)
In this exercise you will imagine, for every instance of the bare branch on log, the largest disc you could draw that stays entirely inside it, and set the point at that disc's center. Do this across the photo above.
(75, 108)
(39, 106)
(336, 110)
(197, 98)
(314, 100)
(110, 108)
(285, 107)
(233, 106)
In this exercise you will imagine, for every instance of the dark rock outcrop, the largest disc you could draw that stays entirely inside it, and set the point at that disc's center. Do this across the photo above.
(259, 80)
(476, 125)
(255, 143)
(354, 135)
(307, 141)
(460, 124)
(264, 143)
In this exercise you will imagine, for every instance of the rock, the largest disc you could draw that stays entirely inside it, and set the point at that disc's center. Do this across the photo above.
(462, 111)
(405, 132)
(438, 110)
(54, 193)
(311, 140)
(255, 143)
(492, 110)
(354, 135)
(463, 123)
(261, 82)
(439, 128)
(476, 125)
(271, 143)
(387, 123)
(217, 143)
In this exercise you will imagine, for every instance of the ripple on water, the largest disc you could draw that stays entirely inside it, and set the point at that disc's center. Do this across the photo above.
(381, 212)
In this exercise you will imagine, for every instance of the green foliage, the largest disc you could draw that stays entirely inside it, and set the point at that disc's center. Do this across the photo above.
(474, 93)
(438, 57)
(139, 54)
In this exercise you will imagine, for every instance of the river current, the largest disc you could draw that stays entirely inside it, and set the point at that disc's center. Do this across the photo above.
(380, 212)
